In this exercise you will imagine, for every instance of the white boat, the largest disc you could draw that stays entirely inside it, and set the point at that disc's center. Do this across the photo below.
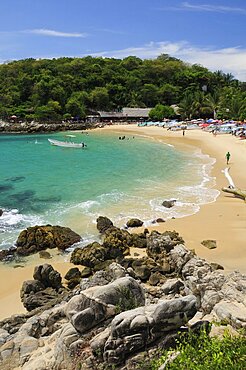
(67, 144)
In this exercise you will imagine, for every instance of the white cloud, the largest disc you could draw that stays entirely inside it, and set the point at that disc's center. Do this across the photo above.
(212, 8)
(229, 60)
(54, 33)
(187, 6)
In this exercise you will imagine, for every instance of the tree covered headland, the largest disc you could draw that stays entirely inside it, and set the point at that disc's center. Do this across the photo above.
(51, 90)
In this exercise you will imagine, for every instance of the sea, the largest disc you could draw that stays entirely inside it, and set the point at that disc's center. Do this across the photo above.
(42, 184)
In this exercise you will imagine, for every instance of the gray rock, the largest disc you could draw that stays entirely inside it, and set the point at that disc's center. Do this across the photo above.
(48, 276)
(210, 244)
(156, 278)
(169, 203)
(28, 345)
(4, 335)
(134, 329)
(45, 255)
(86, 272)
(103, 223)
(73, 273)
(98, 279)
(96, 304)
(232, 312)
(116, 271)
(160, 245)
(134, 222)
(172, 286)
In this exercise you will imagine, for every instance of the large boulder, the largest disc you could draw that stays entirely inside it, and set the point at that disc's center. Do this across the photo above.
(73, 273)
(117, 242)
(133, 330)
(48, 276)
(45, 298)
(37, 238)
(210, 244)
(103, 223)
(89, 256)
(160, 245)
(115, 245)
(7, 254)
(169, 203)
(96, 304)
(144, 267)
(73, 276)
(45, 289)
(134, 222)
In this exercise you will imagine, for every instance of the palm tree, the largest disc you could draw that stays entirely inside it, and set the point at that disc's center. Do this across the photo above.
(185, 106)
(213, 101)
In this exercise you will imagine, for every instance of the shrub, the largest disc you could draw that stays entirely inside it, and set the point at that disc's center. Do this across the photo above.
(205, 353)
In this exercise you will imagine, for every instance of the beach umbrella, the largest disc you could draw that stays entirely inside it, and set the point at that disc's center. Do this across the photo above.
(203, 125)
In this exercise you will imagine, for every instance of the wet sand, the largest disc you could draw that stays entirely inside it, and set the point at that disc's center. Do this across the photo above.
(223, 220)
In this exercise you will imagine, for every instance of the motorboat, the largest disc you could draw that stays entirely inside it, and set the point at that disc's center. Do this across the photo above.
(67, 144)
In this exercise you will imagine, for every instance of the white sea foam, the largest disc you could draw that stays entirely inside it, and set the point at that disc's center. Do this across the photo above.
(12, 222)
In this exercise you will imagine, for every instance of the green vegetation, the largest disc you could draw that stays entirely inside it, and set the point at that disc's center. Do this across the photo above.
(161, 111)
(127, 300)
(205, 353)
(51, 90)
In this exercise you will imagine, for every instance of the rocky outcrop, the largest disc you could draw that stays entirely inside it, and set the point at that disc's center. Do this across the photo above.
(45, 289)
(73, 276)
(97, 304)
(37, 238)
(89, 256)
(45, 255)
(210, 244)
(36, 127)
(7, 254)
(159, 247)
(134, 222)
(112, 320)
(135, 329)
(116, 244)
(103, 223)
(169, 203)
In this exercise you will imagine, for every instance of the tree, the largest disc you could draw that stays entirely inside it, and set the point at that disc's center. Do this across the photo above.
(214, 102)
(168, 94)
(75, 107)
(159, 112)
(131, 63)
(185, 106)
(100, 98)
(149, 95)
(49, 112)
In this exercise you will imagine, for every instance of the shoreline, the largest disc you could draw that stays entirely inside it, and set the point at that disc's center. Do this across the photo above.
(222, 220)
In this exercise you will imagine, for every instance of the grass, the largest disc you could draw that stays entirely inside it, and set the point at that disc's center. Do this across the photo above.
(127, 300)
(205, 353)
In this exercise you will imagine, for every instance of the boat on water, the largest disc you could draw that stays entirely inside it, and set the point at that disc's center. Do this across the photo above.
(66, 144)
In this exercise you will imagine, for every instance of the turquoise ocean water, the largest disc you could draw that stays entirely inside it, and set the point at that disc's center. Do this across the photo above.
(41, 184)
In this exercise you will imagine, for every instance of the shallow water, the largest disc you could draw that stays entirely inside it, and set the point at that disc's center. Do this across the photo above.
(121, 179)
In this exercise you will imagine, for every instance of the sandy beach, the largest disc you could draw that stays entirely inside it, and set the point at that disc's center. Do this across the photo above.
(223, 220)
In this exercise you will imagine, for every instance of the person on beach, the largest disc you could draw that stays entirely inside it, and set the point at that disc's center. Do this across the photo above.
(228, 155)
(184, 132)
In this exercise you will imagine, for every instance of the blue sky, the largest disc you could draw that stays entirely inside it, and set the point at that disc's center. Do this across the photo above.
(207, 32)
